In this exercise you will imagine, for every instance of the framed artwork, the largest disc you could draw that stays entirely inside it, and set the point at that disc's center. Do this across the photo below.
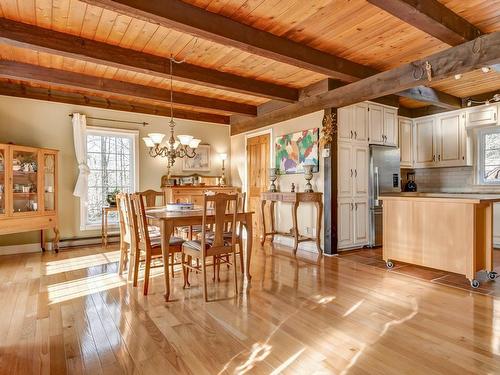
(201, 162)
(296, 149)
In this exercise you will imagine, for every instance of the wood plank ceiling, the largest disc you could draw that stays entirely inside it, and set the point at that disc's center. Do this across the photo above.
(355, 30)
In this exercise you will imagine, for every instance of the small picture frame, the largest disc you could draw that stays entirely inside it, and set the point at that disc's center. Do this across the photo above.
(201, 162)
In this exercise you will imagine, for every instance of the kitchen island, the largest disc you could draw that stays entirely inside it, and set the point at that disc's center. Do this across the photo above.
(450, 232)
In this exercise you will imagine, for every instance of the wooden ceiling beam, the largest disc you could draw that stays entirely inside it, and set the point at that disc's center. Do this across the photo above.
(431, 17)
(193, 20)
(187, 18)
(40, 39)
(433, 97)
(25, 91)
(39, 74)
(444, 64)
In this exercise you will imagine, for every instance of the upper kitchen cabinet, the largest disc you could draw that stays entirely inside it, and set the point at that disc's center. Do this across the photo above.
(482, 116)
(438, 141)
(452, 140)
(406, 142)
(382, 125)
(376, 124)
(390, 127)
(360, 122)
(424, 135)
(344, 123)
(353, 123)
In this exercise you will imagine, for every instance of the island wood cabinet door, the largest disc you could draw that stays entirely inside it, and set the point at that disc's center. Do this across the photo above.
(376, 124)
(405, 142)
(360, 122)
(360, 175)
(424, 143)
(451, 140)
(390, 134)
(344, 169)
(345, 223)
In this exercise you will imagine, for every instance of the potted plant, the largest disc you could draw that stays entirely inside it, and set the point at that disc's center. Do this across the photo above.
(111, 197)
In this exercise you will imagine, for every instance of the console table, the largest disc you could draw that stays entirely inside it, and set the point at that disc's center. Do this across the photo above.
(295, 199)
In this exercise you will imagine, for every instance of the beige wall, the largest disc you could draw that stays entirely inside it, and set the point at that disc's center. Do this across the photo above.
(307, 213)
(44, 124)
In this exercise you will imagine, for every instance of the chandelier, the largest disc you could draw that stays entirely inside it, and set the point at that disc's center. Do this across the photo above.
(184, 146)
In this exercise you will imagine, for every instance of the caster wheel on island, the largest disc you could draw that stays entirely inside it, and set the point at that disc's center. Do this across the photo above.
(389, 264)
(492, 275)
(474, 283)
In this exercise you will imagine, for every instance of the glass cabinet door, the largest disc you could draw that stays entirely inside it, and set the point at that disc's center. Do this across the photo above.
(3, 179)
(49, 182)
(24, 180)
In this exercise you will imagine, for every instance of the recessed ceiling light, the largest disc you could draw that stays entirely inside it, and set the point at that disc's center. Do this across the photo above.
(486, 69)
(458, 76)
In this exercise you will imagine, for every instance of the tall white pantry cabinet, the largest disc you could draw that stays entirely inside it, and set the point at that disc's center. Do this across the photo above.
(359, 125)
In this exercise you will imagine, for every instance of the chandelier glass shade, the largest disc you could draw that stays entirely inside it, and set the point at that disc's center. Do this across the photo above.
(182, 147)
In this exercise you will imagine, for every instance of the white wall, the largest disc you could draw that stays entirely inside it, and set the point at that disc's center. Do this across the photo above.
(307, 213)
(46, 124)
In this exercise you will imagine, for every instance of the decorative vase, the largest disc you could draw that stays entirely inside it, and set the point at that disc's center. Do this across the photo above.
(308, 175)
(272, 177)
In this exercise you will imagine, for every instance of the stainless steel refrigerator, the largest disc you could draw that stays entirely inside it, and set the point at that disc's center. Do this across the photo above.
(384, 177)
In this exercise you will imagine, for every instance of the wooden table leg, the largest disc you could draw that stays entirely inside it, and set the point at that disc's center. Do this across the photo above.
(262, 222)
(103, 214)
(249, 227)
(271, 215)
(56, 239)
(105, 229)
(295, 227)
(166, 229)
(319, 208)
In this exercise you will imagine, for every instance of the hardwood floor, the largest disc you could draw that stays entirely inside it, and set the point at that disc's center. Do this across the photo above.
(70, 313)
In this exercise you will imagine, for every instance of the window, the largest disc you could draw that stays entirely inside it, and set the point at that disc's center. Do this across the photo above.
(112, 159)
(489, 156)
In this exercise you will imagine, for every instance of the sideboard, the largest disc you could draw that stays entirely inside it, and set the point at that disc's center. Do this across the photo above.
(194, 194)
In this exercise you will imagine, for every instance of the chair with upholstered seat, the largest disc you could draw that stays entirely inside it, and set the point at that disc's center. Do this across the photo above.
(217, 246)
(148, 246)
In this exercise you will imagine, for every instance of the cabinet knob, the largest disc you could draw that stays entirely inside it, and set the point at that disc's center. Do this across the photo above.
(351, 134)
(351, 172)
(355, 173)
(356, 206)
(355, 134)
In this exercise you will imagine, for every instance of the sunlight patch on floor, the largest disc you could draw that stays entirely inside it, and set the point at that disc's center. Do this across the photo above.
(353, 308)
(73, 264)
(82, 287)
(287, 363)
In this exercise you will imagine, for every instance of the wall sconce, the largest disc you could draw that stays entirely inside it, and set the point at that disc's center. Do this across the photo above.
(222, 180)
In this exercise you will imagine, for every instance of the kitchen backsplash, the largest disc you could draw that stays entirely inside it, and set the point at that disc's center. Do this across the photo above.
(451, 180)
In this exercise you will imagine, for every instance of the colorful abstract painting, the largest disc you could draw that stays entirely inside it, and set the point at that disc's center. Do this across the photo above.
(296, 149)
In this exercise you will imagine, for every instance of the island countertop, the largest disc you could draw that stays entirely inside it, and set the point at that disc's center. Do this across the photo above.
(457, 197)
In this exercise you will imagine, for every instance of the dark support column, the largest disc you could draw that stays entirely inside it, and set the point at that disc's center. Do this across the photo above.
(330, 182)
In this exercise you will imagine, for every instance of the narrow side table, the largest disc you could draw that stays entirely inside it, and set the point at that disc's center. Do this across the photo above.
(295, 199)
(104, 224)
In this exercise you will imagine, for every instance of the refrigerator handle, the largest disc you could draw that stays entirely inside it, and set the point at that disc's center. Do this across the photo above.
(377, 191)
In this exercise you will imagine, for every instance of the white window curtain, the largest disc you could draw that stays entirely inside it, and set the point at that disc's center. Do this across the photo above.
(79, 137)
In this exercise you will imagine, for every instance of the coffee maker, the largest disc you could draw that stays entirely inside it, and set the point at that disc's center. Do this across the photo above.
(410, 185)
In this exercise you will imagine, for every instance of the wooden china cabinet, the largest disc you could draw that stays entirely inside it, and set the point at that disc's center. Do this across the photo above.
(28, 190)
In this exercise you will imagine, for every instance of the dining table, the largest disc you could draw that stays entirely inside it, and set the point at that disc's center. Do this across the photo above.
(167, 221)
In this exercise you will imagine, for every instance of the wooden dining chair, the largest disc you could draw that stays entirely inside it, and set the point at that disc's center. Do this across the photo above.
(216, 247)
(148, 244)
(228, 235)
(150, 198)
(125, 232)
